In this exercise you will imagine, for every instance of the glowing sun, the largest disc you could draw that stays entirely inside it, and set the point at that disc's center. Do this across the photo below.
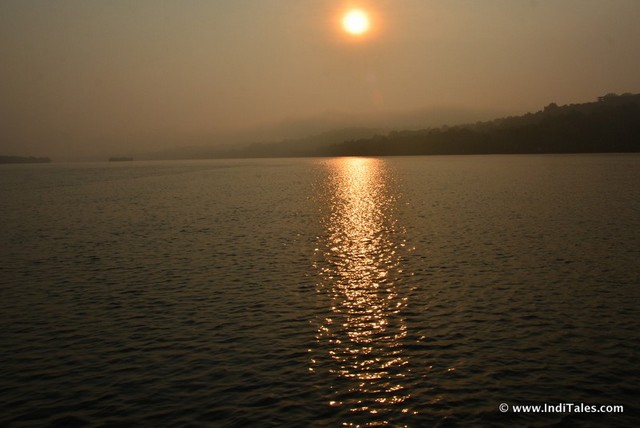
(356, 22)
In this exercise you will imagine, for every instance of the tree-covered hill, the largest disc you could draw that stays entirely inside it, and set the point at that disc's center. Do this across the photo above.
(611, 124)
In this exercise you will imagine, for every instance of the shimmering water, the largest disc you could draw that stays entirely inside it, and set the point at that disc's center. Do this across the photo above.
(320, 292)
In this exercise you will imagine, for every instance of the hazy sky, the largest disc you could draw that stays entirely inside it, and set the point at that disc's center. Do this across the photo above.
(83, 77)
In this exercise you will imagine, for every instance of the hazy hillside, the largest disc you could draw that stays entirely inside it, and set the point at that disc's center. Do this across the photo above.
(315, 145)
(611, 124)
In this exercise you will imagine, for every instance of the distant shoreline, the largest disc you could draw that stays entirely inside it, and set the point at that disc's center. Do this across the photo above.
(24, 159)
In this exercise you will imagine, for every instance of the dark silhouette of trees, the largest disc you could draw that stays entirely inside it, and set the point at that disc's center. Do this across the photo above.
(610, 125)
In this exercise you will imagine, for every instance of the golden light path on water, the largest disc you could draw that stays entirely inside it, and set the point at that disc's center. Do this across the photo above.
(359, 268)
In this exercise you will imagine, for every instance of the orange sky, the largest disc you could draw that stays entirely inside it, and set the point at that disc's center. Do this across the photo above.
(94, 77)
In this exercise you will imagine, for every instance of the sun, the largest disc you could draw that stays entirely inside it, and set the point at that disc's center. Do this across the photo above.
(356, 22)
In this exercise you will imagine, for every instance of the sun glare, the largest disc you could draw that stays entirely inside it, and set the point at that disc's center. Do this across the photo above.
(355, 22)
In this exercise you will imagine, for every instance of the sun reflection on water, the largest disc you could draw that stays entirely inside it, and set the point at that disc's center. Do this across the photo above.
(359, 268)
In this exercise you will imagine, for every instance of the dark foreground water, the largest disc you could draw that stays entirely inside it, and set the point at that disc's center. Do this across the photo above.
(320, 292)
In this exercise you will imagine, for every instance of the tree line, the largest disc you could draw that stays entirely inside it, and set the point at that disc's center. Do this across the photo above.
(611, 124)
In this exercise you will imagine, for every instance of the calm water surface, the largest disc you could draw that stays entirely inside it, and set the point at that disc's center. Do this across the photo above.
(320, 292)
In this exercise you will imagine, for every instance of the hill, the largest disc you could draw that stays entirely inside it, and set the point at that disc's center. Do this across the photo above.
(610, 124)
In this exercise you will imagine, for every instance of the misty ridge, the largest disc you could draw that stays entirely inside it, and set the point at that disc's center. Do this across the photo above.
(300, 135)
(610, 124)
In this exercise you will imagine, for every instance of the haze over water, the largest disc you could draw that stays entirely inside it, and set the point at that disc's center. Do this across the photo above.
(295, 292)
